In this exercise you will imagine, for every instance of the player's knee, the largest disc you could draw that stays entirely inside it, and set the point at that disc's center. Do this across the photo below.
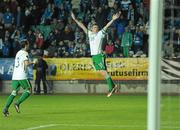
(28, 91)
(14, 93)
(103, 72)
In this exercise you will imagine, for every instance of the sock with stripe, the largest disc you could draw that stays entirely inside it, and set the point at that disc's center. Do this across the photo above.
(110, 82)
(23, 97)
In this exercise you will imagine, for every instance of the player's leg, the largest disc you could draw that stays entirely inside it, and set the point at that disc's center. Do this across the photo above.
(38, 81)
(100, 65)
(44, 84)
(15, 89)
(26, 85)
(108, 79)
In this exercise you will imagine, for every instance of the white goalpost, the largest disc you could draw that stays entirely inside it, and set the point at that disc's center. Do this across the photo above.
(156, 25)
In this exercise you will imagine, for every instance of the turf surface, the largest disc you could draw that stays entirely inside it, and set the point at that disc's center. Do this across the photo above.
(87, 112)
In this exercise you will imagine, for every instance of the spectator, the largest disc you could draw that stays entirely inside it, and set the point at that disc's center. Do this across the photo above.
(131, 14)
(71, 49)
(168, 50)
(121, 24)
(36, 15)
(101, 17)
(39, 39)
(125, 7)
(41, 68)
(13, 6)
(117, 48)
(8, 19)
(138, 40)
(46, 17)
(109, 48)
(62, 49)
(16, 37)
(18, 17)
(1, 47)
(80, 48)
(6, 48)
(176, 44)
(57, 3)
(2, 30)
(126, 42)
(68, 34)
(112, 34)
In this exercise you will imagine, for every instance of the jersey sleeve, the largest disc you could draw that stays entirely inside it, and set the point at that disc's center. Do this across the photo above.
(89, 32)
(102, 33)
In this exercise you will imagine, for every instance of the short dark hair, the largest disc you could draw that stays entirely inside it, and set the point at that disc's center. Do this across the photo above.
(23, 43)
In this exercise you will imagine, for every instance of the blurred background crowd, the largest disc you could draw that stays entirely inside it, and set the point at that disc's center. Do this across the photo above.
(48, 26)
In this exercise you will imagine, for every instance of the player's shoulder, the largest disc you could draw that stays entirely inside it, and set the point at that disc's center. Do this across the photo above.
(22, 52)
(89, 32)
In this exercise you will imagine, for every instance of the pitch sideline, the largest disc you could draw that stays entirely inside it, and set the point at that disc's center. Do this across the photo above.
(91, 125)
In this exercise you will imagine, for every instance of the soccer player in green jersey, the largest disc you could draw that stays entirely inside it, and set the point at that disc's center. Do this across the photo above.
(19, 78)
(95, 40)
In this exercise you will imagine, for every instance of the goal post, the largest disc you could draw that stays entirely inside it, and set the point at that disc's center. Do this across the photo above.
(154, 79)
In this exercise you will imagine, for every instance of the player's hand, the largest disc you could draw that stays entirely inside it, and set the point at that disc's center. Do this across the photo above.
(35, 61)
(116, 15)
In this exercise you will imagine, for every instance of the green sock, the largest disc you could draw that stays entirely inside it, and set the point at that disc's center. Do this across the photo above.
(9, 101)
(23, 97)
(110, 82)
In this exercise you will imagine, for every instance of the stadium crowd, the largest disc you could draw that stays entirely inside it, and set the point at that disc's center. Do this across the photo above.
(48, 26)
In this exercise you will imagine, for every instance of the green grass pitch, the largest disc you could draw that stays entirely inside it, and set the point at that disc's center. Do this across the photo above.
(88, 112)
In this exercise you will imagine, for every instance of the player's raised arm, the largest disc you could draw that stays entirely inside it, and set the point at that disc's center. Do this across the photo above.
(80, 24)
(114, 17)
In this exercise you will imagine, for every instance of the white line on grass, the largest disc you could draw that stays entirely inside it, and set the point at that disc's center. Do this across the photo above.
(94, 125)
(41, 126)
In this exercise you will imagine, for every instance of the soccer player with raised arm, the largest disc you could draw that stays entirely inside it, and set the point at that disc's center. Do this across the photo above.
(19, 78)
(95, 40)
